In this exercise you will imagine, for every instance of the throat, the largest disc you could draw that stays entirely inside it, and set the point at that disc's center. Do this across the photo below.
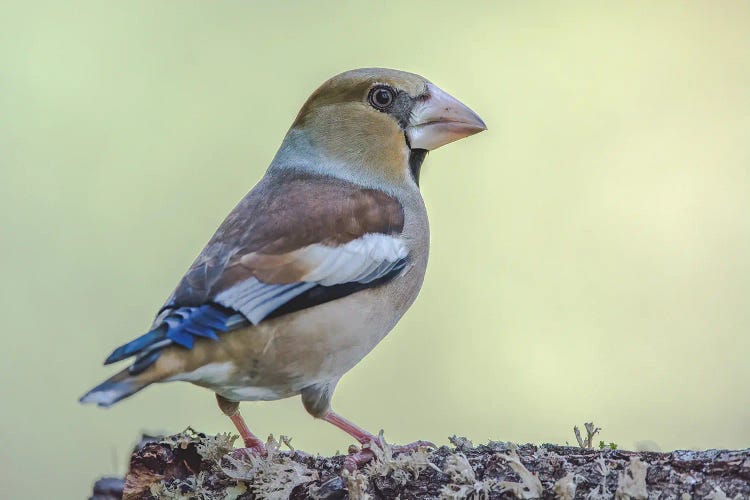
(416, 158)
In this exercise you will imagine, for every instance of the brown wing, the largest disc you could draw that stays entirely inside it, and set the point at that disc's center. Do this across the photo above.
(295, 232)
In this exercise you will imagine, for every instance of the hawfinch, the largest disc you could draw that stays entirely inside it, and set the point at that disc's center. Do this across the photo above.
(316, 264)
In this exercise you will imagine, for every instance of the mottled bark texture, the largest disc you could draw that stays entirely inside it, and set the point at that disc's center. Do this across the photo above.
(193, 465)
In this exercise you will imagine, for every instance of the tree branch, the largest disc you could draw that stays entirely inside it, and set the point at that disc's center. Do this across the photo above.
(193, 465)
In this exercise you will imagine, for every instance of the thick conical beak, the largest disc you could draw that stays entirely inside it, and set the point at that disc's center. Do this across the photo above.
(439, 119)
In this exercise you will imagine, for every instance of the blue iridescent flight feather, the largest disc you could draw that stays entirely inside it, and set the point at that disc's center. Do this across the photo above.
(181, 326)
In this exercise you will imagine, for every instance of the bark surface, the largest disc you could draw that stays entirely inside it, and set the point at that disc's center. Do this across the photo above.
(193, 465)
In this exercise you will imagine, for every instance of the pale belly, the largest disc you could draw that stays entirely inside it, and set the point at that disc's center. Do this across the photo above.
(279, 358)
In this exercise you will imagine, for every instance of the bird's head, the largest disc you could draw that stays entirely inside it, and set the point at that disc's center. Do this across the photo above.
(380, 123)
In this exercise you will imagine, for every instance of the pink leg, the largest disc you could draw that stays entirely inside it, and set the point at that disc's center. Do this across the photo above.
(232, 410)
(350, 428)
(250, 439)
(358, 458)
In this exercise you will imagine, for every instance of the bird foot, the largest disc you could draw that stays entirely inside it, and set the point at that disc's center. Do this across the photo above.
(252, 447)
(359, 457)
(416, 445)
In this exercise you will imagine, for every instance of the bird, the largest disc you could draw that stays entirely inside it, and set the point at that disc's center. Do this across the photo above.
(315, 265)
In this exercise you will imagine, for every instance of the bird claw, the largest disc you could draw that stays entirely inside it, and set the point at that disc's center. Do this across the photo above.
(416, 445)
(359, 457)
(255, 448)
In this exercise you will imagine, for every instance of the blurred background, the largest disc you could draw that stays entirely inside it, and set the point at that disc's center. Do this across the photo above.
(590, 252)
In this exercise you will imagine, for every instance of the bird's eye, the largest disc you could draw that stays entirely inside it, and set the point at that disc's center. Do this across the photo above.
(381, 97)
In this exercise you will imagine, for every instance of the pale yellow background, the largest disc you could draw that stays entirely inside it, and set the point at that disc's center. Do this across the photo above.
(591, 251)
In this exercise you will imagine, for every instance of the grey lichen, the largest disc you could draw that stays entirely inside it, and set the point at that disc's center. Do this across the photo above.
(718, 494)
(529, 487)
(192, 465)
(464, 482)
(216, 447)
(565, 487)
(272, 476)
(402, 467)
(591, 431)
(356, 484)
(631, 482)
(197, 486)
(601, 492)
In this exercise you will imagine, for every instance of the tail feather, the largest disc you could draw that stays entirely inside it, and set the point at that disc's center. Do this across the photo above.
(135, 346)
(143, 361)
(114, 389)
(180, 327)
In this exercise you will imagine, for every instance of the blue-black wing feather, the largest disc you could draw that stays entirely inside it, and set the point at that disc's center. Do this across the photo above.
(182, 325)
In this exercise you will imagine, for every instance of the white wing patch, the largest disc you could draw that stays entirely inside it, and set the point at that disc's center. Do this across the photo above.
(359, 260)
(363, 260)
